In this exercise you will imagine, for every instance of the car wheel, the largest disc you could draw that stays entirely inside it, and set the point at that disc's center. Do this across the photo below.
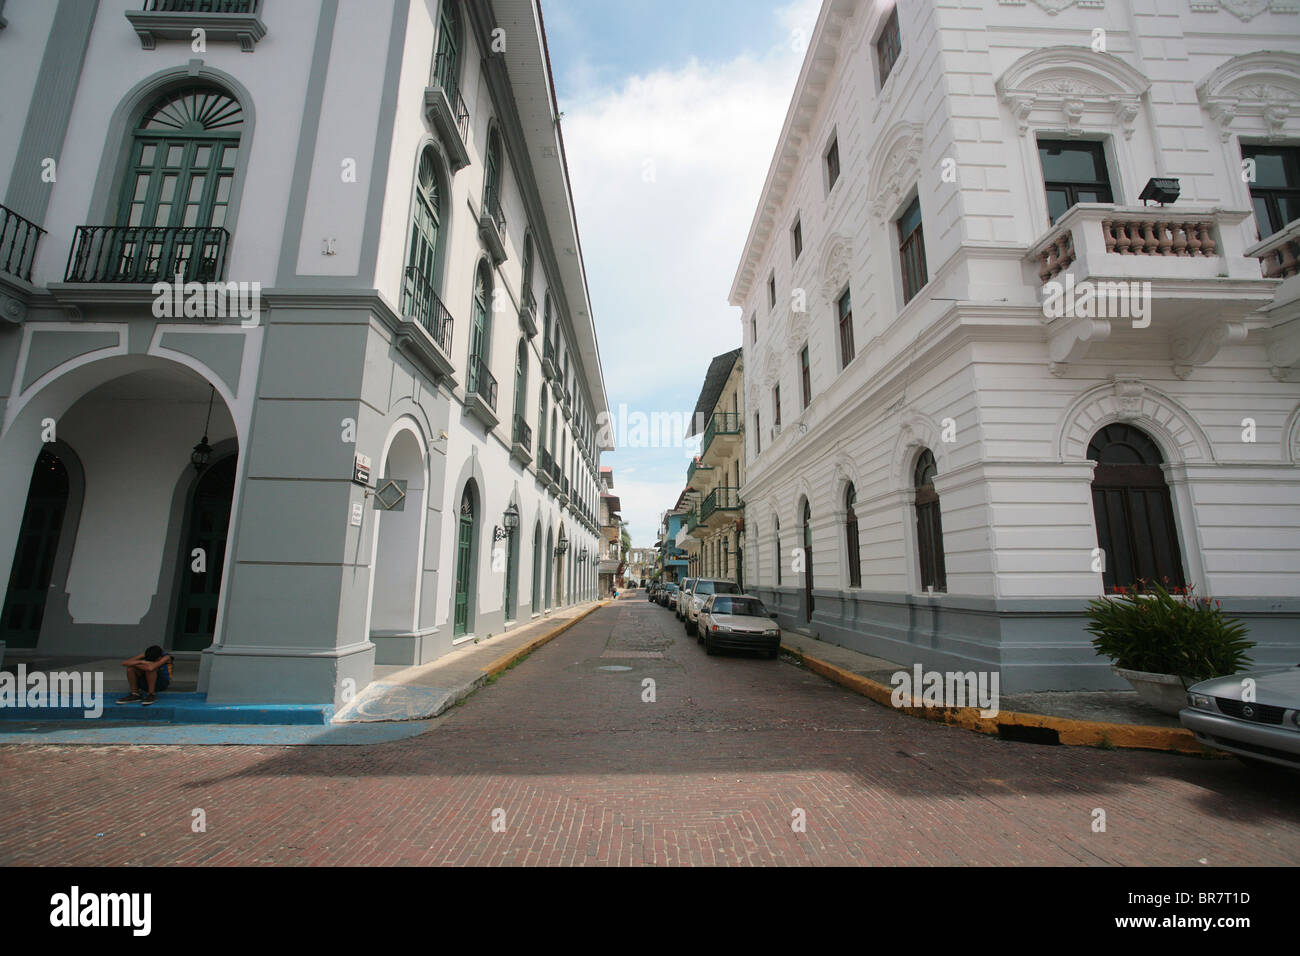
(774, 653)
(709, 648)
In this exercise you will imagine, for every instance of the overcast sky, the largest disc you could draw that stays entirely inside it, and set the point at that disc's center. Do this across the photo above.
(671, 110)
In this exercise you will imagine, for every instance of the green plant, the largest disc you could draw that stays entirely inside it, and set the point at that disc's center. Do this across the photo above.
(1148, 628)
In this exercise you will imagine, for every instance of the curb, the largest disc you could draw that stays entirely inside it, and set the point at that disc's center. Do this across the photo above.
(503, 662)
(1034, 728)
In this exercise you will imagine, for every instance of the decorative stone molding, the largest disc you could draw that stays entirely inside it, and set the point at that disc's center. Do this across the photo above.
(797, 327)
(1191, 350)
(1256, 93)
(1053, 7)
(772, 370)
(12, 308)
(895, 167)
(1180, 438)
(1070, 87)
(1244, 9)
(837, 264)
(916, 431)
(1070, 340)
(1291, 439)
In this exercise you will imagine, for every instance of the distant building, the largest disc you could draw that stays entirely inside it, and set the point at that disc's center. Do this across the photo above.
(715, 520)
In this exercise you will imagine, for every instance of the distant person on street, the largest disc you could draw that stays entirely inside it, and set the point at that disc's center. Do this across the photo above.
(149, 674)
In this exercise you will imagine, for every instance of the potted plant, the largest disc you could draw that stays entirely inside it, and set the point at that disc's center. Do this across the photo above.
(1162, 641)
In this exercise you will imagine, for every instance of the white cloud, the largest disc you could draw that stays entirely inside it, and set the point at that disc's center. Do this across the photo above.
(667, 170)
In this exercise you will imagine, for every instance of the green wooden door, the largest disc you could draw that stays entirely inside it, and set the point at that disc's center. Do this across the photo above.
(196, 612)
(464, 556)
(38, 540)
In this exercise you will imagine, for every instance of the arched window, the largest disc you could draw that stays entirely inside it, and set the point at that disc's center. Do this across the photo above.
(447, 64)
(546, 319)
(526, 294)
(929, 525)
(492, 175)
(851, 537)
(550, 569)
(537, 569)
(776, 543)
(479, 380)
(521, 389)
(177, 190)
(1133, 510)
(808, 561)
(466, 534)
(423, 261)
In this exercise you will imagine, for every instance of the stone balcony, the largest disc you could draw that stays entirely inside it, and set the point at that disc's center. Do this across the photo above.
(1178, 276)
(1279, 257)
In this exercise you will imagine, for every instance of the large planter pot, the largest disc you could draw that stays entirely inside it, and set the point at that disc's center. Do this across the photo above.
(1164, 692)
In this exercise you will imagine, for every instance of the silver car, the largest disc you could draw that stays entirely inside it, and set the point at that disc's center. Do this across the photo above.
(701, 590)
(738, 622)
(683, 596)
(1255, 715)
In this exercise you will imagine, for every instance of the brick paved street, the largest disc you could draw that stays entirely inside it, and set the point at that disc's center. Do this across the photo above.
(586, 772)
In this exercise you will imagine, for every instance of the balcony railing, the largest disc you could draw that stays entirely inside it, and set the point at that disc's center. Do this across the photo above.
(692, 521)
(202, 6)
(544, 469)
(696, 466)
(548, 358)
(1279, 254)
(523, 434)
(147, 254)
(481, 382)
(18, 239)
(724, 423)
(443, 68)
(421, 303)
(719, 499)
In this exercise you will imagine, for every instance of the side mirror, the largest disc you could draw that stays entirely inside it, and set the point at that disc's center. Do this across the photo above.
(772, 615)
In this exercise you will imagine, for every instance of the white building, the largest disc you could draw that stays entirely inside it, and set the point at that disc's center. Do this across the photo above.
(961, 464)
(389, 177)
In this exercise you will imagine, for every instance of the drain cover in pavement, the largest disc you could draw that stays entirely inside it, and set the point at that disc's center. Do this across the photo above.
(615, 667)
(633, 655)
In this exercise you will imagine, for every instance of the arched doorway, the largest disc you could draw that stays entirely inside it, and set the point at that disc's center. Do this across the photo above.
(537, 569)
(206, 528)
(808, 561)
(929, 525)
(550, 570)
(1133, 510)
(466, 534)
(38, 540)
(399, 536)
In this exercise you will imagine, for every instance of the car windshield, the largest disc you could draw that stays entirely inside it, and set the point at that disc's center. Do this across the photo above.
(749, 607)
(715, 587)
(670, 587)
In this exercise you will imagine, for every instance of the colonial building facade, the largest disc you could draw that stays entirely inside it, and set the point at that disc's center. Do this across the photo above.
(362, 431)
(987, 381)
(715, 522)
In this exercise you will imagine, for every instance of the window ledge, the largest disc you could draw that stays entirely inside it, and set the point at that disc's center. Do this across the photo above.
(153, 25)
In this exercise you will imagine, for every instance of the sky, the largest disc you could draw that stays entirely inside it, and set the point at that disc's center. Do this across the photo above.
(672, 111)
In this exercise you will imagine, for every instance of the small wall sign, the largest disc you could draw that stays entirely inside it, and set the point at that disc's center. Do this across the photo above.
(361, 471)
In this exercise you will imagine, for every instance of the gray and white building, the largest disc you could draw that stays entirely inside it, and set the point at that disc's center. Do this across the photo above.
(389, 447)
(950, 450)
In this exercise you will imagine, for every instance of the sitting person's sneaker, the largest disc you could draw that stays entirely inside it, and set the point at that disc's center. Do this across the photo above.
(150, 699)
(130, 698)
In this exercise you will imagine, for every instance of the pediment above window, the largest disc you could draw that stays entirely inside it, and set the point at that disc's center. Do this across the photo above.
(895, 167)
(1256, 94)
(1074, 89)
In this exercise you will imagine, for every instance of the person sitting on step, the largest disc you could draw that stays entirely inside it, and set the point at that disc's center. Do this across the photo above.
(148, 674)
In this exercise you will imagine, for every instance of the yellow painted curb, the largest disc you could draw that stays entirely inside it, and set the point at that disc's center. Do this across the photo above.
(501, 663)
(1078, 733)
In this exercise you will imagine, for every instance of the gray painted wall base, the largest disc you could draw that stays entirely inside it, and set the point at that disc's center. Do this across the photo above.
(239, 677)
(1035, 645)
(408, 648)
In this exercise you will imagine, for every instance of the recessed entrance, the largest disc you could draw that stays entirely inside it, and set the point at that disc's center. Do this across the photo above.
(38, 540)
(208, 525)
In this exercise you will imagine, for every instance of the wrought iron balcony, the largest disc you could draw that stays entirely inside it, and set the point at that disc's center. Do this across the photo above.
(18, 239)
(421, 303)
(528, 313)
(219, 19)
(492, 227)
(521, 444)
(445, 109)
(147, 254)
(549, 365)
(481, 384)
(719, 500)
(723, 423)
(544, 466)
(695, 467)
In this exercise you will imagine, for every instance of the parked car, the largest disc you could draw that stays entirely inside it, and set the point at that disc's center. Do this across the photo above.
(683, 595)
(651, 591)
(703, 589)
(738, 622)
(1261, 728)
(668, 594)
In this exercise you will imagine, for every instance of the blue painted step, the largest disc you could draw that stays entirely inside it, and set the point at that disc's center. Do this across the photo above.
(180, 709)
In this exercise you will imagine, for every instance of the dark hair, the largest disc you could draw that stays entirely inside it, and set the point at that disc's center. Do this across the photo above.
(153, 653)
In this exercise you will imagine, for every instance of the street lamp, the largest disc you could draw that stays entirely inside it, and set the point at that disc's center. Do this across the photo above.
(511, 520)
(202, 452)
